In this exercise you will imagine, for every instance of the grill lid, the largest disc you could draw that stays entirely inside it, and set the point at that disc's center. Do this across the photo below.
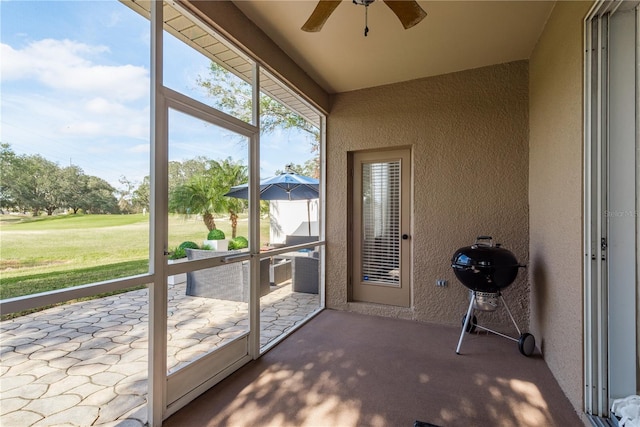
(484, 266)
(484, 255)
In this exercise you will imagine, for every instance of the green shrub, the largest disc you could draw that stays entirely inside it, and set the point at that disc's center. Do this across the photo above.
(188, 245)
(215, 234)
(206, 247)
(239, 243)
(178, 253)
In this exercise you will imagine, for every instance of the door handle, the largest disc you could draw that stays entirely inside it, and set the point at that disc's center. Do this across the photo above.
(405, 237)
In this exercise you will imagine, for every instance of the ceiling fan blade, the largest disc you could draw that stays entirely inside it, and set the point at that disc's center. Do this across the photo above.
(320, 14)
(408, 12)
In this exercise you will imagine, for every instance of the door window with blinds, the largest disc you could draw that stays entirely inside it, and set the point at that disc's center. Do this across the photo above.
(380, 240)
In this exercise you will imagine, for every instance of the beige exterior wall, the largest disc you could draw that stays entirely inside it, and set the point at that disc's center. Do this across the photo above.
(555, 195)
(468, 135)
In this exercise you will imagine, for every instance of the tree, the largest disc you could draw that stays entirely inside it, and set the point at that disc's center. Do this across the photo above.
(125, 194)
(31, 182)
(200, 195)
(204, 193)
(310, 168)
(181, 172)
(7, 161)
(50, 179)
(229, 174)
(99, 197)
(73, 187)
(233, 95)
(35, 184)
(141, 198)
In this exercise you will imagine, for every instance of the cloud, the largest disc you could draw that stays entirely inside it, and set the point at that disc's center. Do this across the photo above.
(73, 119)
(70, 66)
(63, 89)
(64, 131)
(113, 19)
(140, 148)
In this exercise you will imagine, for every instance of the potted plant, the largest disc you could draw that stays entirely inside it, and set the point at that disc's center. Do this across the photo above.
(238, 243)
(179, 254)
(217, 240)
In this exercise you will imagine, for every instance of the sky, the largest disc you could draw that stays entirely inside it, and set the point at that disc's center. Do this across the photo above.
(74, 88)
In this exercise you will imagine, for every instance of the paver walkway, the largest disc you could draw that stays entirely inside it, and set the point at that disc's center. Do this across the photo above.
(85, 364)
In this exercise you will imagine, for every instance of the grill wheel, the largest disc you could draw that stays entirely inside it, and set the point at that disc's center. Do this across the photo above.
(526, 344)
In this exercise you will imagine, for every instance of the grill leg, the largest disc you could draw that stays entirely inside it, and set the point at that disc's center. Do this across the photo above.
(510, 315)
(466, 321)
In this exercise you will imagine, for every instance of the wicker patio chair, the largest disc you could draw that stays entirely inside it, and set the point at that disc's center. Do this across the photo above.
(228, 282)
(281, 270)
(291, 240)
(265, 285)
(221, 282)
(304, 274)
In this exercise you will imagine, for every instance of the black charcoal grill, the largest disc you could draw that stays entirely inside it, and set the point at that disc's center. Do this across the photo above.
(486, 269)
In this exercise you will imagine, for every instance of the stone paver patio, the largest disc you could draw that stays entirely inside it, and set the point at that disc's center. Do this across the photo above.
(85, 364)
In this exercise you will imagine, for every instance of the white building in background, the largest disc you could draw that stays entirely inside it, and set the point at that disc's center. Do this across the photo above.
(292, 217)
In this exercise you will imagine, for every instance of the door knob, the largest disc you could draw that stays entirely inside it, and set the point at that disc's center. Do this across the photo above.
(405, 236)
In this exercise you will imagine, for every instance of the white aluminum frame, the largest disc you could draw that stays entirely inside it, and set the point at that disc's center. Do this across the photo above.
(595, 183)
(159, 206)
(595, 303)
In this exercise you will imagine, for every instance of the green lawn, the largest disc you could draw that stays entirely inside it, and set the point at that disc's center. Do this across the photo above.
(46, 253)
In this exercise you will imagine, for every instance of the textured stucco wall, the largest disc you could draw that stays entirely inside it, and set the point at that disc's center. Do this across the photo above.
(555, 194)
(468, 135)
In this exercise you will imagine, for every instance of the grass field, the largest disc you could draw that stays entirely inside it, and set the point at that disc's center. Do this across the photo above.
(46, 253)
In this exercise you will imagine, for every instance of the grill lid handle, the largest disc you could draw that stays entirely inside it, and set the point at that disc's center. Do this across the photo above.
(479, 241)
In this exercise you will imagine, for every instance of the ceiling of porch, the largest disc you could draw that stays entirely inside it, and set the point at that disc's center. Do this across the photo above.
(455, 36)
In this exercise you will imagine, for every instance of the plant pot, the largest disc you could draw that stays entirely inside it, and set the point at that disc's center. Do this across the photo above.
(217, 245)
(178, 278)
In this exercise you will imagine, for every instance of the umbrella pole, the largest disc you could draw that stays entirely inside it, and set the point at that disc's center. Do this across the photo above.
(308, 217)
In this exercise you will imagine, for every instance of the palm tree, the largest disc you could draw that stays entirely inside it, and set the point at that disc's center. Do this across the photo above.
(232, 173)
(235, 206)
(198, 196)
(204, 193)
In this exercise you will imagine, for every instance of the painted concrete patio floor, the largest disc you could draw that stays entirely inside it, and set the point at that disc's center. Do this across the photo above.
(85, 364)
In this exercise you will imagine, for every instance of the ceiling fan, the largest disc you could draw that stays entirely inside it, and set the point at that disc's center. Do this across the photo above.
(408, 12)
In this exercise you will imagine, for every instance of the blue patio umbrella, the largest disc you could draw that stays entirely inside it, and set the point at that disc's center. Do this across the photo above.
(286, 186)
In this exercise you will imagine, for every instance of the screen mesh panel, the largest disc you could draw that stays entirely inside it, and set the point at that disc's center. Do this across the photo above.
(381, 223)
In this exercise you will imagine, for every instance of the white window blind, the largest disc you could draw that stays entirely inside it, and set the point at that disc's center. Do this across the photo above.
(381, 223)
